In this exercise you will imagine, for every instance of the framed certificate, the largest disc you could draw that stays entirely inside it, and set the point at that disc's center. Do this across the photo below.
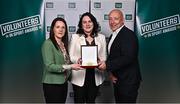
(89, 56)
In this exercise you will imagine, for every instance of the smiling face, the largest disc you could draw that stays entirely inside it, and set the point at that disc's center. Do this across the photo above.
(59, 29)
(87, 25)
(116, 19)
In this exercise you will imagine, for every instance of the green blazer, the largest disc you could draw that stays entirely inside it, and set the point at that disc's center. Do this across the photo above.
(53, 60)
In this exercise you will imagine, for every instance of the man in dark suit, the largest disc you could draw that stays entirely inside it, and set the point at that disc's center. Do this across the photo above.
(122, 61)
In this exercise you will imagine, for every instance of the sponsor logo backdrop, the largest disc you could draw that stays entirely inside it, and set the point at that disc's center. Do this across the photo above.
(158, 30)
(21, 36)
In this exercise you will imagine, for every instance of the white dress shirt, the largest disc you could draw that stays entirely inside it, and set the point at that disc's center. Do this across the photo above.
(114, 34)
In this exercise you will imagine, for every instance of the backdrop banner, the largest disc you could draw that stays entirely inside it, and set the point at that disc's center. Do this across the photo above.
(25, 24)
(158, 30)
(21, 37)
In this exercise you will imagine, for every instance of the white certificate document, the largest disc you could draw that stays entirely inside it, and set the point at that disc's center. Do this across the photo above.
(89, 55)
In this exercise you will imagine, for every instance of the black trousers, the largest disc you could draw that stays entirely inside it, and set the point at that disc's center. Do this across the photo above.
(85, 94)
(88, 92)
(126, 93)
(55, 93)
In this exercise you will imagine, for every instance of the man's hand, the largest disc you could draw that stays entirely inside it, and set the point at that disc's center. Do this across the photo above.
(101, 65)
(112, 78)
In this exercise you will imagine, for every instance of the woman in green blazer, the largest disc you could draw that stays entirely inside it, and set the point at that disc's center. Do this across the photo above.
(57, 64)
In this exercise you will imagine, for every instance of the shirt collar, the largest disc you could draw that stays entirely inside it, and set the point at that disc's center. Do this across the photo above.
(117, 31)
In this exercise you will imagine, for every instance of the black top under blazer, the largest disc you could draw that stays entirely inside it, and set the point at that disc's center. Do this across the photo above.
(123, 58)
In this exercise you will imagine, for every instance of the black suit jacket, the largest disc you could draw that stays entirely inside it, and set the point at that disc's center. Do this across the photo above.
(123, 58)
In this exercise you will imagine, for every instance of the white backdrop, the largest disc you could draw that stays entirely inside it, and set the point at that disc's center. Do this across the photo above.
(71, 10)
(101, 8)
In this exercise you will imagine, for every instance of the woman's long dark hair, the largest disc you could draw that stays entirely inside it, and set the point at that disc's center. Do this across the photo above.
(93, 19)
(64, 38)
